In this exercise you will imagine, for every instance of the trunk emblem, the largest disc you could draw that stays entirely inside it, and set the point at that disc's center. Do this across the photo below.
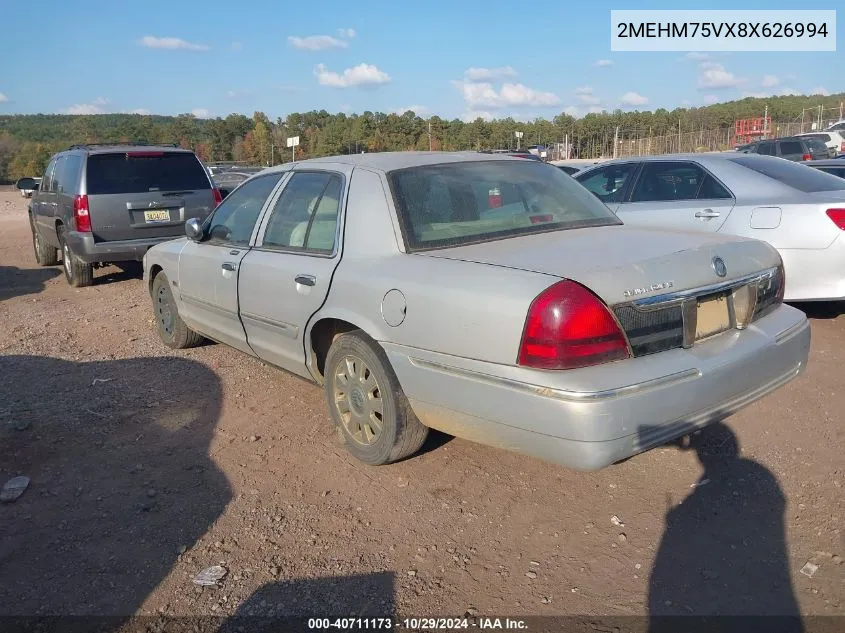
(635, 292)
(719, 266)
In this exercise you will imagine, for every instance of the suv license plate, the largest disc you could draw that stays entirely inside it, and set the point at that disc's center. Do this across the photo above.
(713, 317)
(156, 216)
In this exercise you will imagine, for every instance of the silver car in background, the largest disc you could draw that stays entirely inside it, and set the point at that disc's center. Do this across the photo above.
(489, 297)
(798, 210)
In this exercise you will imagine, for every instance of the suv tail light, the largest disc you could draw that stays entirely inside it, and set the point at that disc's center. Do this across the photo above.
(81, 217)
(842, 147)
(218, 197)
(567, 327)
(807, 157)
(838, 217)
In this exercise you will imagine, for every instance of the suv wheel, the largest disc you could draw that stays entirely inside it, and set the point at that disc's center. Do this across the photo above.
(45, 254)
(77, 272)
(366, 403)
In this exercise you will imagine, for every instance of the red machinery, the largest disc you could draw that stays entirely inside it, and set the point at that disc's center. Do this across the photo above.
(750, 130)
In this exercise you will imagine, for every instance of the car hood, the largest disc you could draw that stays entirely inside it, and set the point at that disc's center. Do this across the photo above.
(617, 262)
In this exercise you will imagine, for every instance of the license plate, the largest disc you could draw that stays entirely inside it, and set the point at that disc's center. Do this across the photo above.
(156, 216)
(713, 317)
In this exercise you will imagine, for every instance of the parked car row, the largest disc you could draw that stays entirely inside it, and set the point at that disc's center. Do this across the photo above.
(487, 296)
(794, 148)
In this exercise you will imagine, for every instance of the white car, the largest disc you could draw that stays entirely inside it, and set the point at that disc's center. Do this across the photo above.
(797, 209)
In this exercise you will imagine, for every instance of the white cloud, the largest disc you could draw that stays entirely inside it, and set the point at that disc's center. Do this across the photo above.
(236, 46)
(485, 74)
(471, 115)
(770, 81)
(201, 113)
(785, 92)
(419, 110)
(95, 107)
(710, 99)
(143, 111)
(697, 57)
(633, 99)
(602, 63)
(484, 95)
(346, 108)
(572, 111)
(316, 42)
(585, 94)
(715, 77)
(595, 109)
(3, 98)
(350, 33)
(819, 90)
(170, 43)
(231, 94)
(757, 95)
(360, 75)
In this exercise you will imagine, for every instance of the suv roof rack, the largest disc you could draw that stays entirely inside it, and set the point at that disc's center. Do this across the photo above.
(133, 144)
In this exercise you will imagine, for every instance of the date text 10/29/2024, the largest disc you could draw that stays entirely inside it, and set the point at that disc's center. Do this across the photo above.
(417, 624)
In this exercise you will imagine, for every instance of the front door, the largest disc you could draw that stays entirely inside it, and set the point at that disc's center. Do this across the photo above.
(285, 279)
(208, 270)
(677, 195)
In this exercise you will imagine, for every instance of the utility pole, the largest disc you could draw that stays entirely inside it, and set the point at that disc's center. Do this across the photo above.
(272, 154)
(615, 141)
(679, 136)
(429, 135)
(766, 122)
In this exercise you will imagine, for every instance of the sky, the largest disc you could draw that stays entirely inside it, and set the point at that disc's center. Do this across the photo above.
(456, 59)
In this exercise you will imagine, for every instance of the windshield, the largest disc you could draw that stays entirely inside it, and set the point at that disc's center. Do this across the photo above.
(791, 174)
(467, 202)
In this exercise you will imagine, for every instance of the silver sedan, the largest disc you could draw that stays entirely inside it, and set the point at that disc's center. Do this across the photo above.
(797, 209)
(489, 297)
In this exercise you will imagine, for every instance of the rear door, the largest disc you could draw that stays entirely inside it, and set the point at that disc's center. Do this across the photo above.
(208, 270)
(66, 178)
(677, 195)
(285, 279)
(43, 200)
(791, 150)
(145, 194)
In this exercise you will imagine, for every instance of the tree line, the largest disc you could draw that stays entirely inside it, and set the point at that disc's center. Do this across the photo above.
(28, 141)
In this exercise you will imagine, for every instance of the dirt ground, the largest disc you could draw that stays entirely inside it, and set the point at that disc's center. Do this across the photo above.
(148, 466)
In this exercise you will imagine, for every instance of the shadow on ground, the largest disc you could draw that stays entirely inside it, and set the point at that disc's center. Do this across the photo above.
(822, 309)
(723, 551)
(117, 452)
(17, 282)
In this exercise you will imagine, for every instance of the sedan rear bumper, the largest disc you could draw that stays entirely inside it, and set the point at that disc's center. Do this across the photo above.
(85, 248)
(815, 274)
(590, 418)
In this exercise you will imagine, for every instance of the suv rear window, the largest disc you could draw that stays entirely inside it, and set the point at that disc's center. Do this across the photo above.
(142, 172)
(824, 138)
(470, 202)
(791, 174)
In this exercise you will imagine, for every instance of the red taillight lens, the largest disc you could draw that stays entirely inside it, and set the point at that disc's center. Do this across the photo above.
(539, 219)
(568, 327)
(807, 157)
(494, 199)
(218, 197)
(838, 217)
(81, 216)
(842, 147)
(782, 288)
(144, 154)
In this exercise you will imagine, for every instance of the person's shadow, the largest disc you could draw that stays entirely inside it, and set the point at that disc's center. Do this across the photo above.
(121, 480)
(723, 552)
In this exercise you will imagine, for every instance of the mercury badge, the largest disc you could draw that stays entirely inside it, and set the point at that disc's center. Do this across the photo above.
(719, 266)
(635, 292)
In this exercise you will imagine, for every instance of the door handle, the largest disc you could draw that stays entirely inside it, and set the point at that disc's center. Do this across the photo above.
(305, 280)
(707, 213)
(228, 266)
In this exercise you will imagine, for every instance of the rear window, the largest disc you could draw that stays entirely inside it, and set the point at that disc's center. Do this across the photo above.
(791, 174)
(824, 138)
(142, 173)
(816, 146)
(469, 202)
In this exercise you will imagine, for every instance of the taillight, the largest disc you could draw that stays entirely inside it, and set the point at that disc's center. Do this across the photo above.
(494, 199)
(144, 154)
(781, 280)
(81, 216)
(838, 217)
(842, 147)
(567, 327)
(807, 157)
(218, 197)
(539, 219)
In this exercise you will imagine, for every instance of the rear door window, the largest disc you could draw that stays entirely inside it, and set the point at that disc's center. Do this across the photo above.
(144, 172)
(306, 214)
(767, 149)
(661, 181)
(47, 181)
(67, 173)
(788, 148)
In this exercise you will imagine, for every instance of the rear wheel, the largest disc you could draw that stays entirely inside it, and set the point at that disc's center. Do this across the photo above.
(366, 402)
(170, 326)
(77, 272)
(45, 254)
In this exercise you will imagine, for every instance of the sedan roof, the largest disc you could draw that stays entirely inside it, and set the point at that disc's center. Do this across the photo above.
(390, 161)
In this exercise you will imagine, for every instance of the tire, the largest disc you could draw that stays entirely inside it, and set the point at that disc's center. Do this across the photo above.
(45, 254)
(78, 273)
(170, 327)
(359, 382)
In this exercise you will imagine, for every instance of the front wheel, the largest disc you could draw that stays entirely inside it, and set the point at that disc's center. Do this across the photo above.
(170, 326)
(78, 273)
(367, 404)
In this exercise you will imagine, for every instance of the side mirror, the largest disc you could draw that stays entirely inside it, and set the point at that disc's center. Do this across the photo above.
(28, 184)
(193, 229)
